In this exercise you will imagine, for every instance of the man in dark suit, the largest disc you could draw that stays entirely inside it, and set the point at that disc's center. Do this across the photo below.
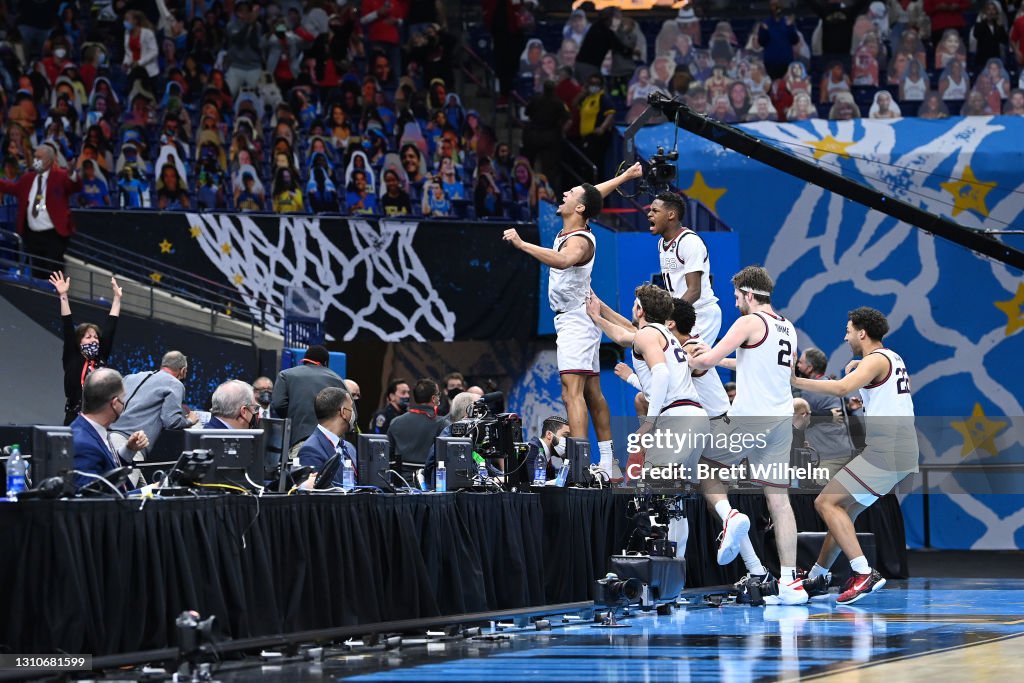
(44, 213)
(233, 407)
(295, 392)
(550, 445)
(102, 403)
(335, 416)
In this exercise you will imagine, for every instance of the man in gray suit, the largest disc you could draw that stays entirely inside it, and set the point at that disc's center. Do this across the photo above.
(154, 399)
(295, 393)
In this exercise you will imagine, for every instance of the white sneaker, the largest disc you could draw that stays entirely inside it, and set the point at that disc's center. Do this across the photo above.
(734, 528)
(791, 592)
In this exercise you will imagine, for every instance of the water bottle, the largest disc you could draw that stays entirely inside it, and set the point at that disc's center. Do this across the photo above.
(16, 468)
(540, 471)
(441, 478)
(563, 475)
(348, 476)
(481, 467)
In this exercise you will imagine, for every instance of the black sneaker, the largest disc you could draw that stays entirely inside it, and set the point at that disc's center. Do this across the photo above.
(859, 585)
(766, 585)
(818, 586)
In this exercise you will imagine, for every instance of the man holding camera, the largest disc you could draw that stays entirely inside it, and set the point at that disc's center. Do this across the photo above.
(578, 340)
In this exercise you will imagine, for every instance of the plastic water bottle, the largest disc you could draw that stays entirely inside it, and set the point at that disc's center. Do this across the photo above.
(481, 467)
(348, 476)
(441, 478)
(563, 475)
(16, 468)
(540, 471)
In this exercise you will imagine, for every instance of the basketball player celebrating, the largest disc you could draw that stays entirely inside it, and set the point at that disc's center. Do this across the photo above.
(685, 265)
(578, 339)
(764, 343)
(890, 453)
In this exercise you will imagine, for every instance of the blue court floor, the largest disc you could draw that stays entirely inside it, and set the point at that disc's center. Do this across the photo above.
(893, 635)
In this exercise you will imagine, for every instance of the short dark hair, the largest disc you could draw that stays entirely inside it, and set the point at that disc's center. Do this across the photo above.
(817, 359)
(424, 390)
(685, 317)
(393, 385)
(454, 375)
(553, 424)
(100, 388)
(656, 302)
(755, 278)
(870, 320)
(592, 201)
(83, 328)
(673, 202)
(318, 354)
(328, 402)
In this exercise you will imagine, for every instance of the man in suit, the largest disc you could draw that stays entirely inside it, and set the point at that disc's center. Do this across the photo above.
(102, 403)
(335, 416)
(44, 214)
(295, 392)
(550, 445)
(233, 407)
(155, 399)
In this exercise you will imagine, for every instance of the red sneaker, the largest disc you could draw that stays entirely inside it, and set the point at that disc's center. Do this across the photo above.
(859, 585)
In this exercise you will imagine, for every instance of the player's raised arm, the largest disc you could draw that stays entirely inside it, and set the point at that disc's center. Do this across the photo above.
(632, 173)
(622, 335)
(574, 252)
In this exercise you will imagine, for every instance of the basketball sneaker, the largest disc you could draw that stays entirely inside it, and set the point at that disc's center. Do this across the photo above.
(734, 528)
(791, 592)
(818, 587)
(859, 585)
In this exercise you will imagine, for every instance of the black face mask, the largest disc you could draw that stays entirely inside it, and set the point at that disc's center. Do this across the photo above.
(264, 398)
(452, 393)
(403, 403)
(254, 421)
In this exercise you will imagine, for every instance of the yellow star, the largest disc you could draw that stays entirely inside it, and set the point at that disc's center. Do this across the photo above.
(195, 231)
(226, 248)
(829, 145)
(703, 193)
(968, 193)
(165, 247)
(156, 277)
(239, 278)
(1014, 310)
(979, 432)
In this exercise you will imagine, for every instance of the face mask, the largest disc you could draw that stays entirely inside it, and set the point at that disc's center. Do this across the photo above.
(59, 53)
(559, 447)
(37, 165)
(91, 350)
(452, 393)
(403, 403)
(264, 398)
(594, 89)
(127, 26)
(254, 421)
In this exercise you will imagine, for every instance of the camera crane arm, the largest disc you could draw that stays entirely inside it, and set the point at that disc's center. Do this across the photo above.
(740, 141)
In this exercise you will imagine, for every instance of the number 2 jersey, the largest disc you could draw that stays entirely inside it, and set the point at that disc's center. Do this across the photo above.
(891, 396)
(763, 371)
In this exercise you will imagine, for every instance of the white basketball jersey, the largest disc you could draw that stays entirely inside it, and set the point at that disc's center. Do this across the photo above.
(709, 387)
(568, 289)
(680, 386)
(891, 396)
(763, 371)
(687, 253)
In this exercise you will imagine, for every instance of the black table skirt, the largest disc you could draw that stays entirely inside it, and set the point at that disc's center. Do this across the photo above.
(103, 577)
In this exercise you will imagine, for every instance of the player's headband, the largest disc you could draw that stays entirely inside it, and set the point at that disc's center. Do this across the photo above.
(759, 292)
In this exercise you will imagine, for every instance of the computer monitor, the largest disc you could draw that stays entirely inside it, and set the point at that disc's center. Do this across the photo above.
(236, 452)
(457, 455)
(577, 452)
(277, 435)
(53, 452)
(373, 460)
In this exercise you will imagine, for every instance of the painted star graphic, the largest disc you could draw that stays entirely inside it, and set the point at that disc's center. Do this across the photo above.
(226, 248)
(968, 193)
(979, 432)
(165, 247)
(703, 193)
(830, 145)
(195, 231)
(156, 277)
(1014, 310)
(238, 278)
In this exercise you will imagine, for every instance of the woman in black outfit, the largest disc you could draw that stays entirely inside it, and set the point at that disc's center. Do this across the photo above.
(84, 348)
